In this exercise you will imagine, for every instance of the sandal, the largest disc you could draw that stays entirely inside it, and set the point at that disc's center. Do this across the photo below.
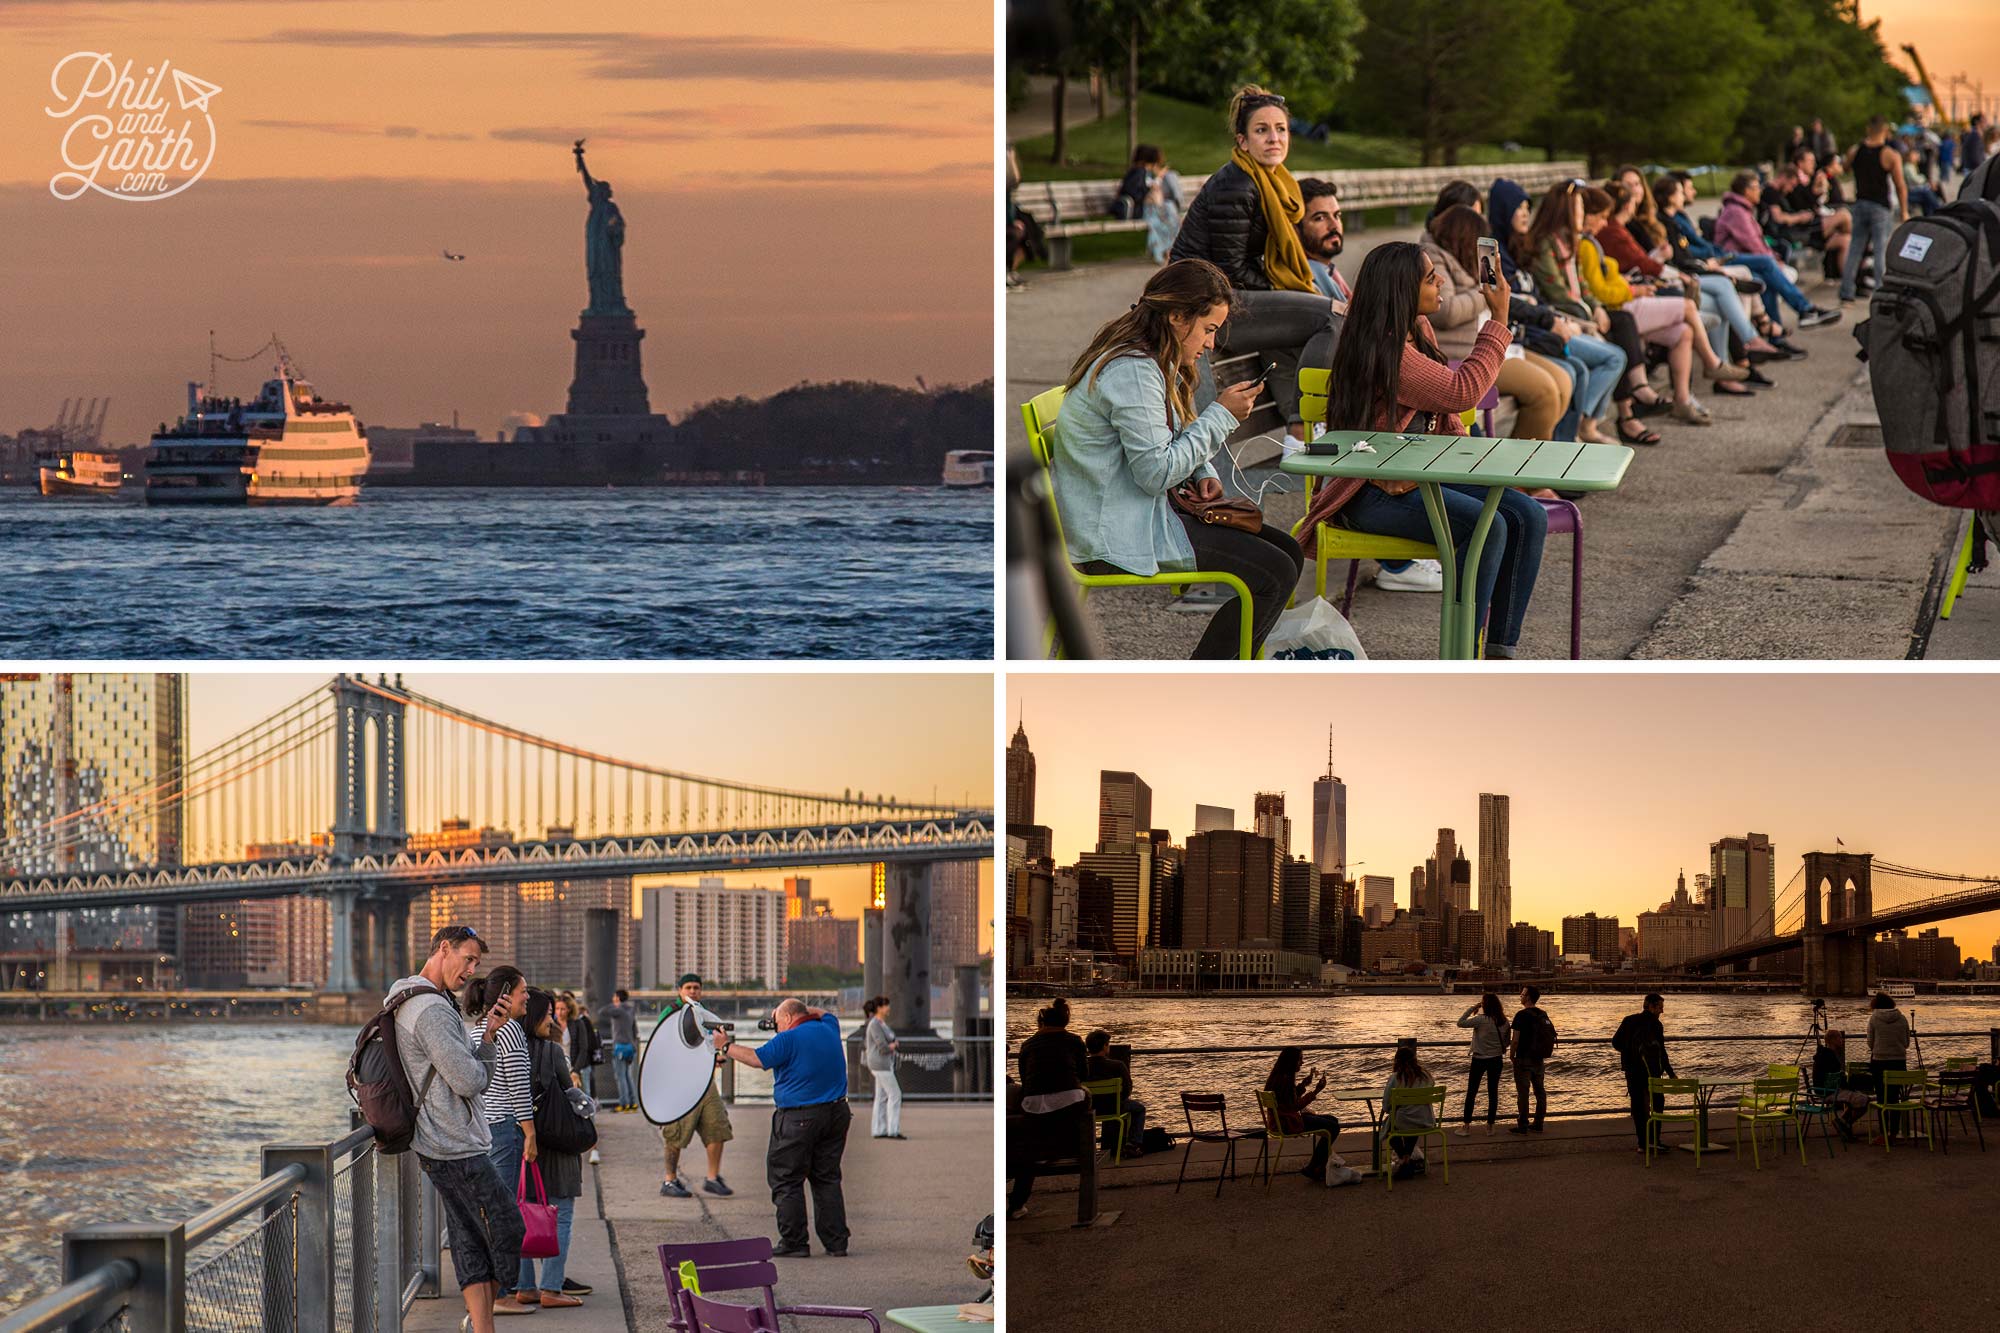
(1731, 389)
(1640, 435)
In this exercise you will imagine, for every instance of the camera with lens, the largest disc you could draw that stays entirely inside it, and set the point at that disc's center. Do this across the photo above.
(767, 1025)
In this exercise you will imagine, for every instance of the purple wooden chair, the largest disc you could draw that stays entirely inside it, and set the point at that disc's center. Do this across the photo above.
(721, 1317)
(736, 1265)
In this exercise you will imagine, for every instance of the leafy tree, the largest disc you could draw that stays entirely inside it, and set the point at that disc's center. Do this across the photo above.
(1817, 62)
(1679, 100)
(1203, 50)
(1455, 72)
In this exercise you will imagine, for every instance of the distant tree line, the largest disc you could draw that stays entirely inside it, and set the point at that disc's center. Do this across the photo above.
(871, 431)
(1654, 80)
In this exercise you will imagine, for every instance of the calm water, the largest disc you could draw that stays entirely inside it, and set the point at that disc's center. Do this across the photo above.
(1579, 1074)
(130, 1124)
(783, 572)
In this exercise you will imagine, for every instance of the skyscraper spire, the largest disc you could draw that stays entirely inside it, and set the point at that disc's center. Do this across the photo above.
(1329, 749)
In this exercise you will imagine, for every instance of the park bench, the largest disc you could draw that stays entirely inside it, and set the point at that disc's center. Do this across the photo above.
(1083, 208)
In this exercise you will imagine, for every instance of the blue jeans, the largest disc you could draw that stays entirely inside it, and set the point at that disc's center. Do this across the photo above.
(1565, 429)
(552, 1269)
(505, 1154)
(1604, 366)
(622, 1056)
(1872, 225)
(1777, 287)
(1719, 290)
(1509, 562)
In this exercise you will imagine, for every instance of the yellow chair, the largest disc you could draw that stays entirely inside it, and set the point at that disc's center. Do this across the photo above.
(1402, 1098)
(1118, 1118)
(1903, 1094)
(1274, 1132)
(1666, 1089)
(1336, 543)
(1773, 1102)
(1039, 415)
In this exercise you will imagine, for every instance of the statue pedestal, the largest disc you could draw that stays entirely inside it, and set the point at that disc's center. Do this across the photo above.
(608, 381)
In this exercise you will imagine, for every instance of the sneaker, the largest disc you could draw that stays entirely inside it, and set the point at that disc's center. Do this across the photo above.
(465, 1325)
(1817, 316)
(571, 1287)
(716, 1186)
(1537, 1127)
(1128, 1151)
(1517, 1129)
(673, 1189)
(790, 1251)
(594, 1159)
(1421, 576)
(1463, 1131)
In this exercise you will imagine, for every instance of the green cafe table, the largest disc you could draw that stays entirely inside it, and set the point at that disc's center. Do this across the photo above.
(1435, 461)
(930, 1319)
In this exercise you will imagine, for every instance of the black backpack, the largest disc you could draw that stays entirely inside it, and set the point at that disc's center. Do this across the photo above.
(1932, 343)
(375, 1077)
(1538, 1038)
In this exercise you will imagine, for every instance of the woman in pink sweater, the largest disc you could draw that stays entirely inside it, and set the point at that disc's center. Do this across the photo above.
(1389, 375)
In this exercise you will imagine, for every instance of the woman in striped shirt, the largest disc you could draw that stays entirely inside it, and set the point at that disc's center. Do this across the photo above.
(508, 1102)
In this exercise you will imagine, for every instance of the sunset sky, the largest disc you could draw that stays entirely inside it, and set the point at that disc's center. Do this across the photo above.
(807, 192)
(1953, 37)
(907, 735)
(1618, 781)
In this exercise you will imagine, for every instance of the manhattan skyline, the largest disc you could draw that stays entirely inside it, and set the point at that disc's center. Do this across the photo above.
(1603, 817)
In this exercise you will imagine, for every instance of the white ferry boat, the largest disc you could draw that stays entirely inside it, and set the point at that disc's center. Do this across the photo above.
(288, 446)
(71, 472)
(968, 468)
(1901, 990)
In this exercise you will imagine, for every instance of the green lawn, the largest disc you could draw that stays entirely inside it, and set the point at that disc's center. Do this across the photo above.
(1197, 142)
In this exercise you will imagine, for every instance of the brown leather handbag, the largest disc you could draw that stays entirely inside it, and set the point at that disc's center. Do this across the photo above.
(1225, 512)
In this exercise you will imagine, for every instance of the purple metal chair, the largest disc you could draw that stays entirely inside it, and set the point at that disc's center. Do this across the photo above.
(721, 1317)
(737, 1265)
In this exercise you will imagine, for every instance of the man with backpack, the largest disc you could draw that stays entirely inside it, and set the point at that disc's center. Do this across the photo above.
(1641, 1043)
(436, 1047)
(1532, 1042)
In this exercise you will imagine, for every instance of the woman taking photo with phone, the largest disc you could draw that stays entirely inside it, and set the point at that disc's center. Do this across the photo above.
(1294, 1088)
(1129, 438)
(1539, 387)
(1245, 221)
(1388, 374)
(509, 1100)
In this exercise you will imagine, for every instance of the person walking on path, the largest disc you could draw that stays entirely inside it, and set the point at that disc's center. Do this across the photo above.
(509, 1102)
(879, 1054)
(1881, 201)
(451, 1140)
(1888, 1048)
(1532, 1041)
(709, 1118)
(562, 1172)
(624, 1025)
(1488, 1021)
(809, 1128)
(1641, 1043)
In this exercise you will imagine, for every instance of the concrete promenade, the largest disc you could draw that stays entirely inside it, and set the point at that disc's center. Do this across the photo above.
(1565, 1230)
(911, 1208)
(1778, 532)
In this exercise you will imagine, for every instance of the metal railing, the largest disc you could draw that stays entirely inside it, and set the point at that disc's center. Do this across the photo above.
(333, 1236)
(1366, 1064)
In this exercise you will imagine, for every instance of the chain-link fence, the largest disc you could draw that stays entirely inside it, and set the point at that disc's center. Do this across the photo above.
(247, 1283)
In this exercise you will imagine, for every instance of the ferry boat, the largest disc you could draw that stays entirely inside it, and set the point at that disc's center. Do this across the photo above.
(968, 468)
(79, 472)
(1901, 990)
(288, 446)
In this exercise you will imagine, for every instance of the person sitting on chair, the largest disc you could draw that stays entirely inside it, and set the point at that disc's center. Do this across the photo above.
(1099, 1065)
(1294, 1088)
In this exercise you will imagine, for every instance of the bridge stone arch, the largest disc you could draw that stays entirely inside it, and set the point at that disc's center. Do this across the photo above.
(1838, 885)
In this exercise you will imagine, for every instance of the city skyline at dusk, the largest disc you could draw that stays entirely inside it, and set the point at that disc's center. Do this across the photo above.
(1604, 814)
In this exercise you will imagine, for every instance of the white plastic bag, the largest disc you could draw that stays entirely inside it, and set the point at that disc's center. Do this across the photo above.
(1315, 630)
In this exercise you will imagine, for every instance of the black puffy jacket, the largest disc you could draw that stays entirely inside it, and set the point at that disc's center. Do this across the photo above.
(1225, 225)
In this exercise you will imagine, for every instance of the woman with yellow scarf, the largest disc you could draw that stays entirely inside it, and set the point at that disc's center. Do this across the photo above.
(1245, 221)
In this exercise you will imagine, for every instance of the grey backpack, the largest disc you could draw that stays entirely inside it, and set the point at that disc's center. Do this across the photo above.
(1932, 344)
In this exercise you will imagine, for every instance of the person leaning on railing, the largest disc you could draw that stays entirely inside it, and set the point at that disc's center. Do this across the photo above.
(1245, 222)
(1390, 375)
(1129, 435)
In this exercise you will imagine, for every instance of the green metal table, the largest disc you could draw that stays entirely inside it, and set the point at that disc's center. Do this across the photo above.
(930, 1318)
(1435, 461)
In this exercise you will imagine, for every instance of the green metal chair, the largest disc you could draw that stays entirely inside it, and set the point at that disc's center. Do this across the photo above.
(1118, 1117)
(1790, 1072)
(1039, 415)
(1773, 1102)
(1275, 1132)
(1667, 1089)
(1816, 1103)
(1903, 1093)
(1960, 569)
(1335, 544)
(1403, 1098)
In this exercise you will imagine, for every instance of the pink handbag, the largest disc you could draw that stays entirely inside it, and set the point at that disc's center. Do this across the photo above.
(538, 1219)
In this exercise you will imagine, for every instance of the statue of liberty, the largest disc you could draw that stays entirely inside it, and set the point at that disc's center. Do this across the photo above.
(603, 245)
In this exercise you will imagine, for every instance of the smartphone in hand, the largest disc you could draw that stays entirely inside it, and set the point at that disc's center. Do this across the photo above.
(1489, 261)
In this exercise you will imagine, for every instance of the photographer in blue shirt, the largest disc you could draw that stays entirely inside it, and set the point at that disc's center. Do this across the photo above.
(809, 1129)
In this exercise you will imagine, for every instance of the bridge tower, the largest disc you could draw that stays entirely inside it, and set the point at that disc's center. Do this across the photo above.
(1841, 961)
(369, 817)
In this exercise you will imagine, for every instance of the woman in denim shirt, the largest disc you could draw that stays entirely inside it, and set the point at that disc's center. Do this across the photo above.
(1128, 434)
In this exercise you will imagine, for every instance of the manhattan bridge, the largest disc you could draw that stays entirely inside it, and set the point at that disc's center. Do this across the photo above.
(356, 789)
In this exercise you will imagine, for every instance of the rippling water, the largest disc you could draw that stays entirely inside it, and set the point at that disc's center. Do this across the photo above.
(1579, 1075)
(781, 572)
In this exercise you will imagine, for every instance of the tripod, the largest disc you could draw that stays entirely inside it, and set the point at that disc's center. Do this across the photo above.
(1815, 1033)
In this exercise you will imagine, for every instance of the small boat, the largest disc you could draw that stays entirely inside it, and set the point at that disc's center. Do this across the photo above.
(73, 472)
(1900, 990)
(968, 469)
